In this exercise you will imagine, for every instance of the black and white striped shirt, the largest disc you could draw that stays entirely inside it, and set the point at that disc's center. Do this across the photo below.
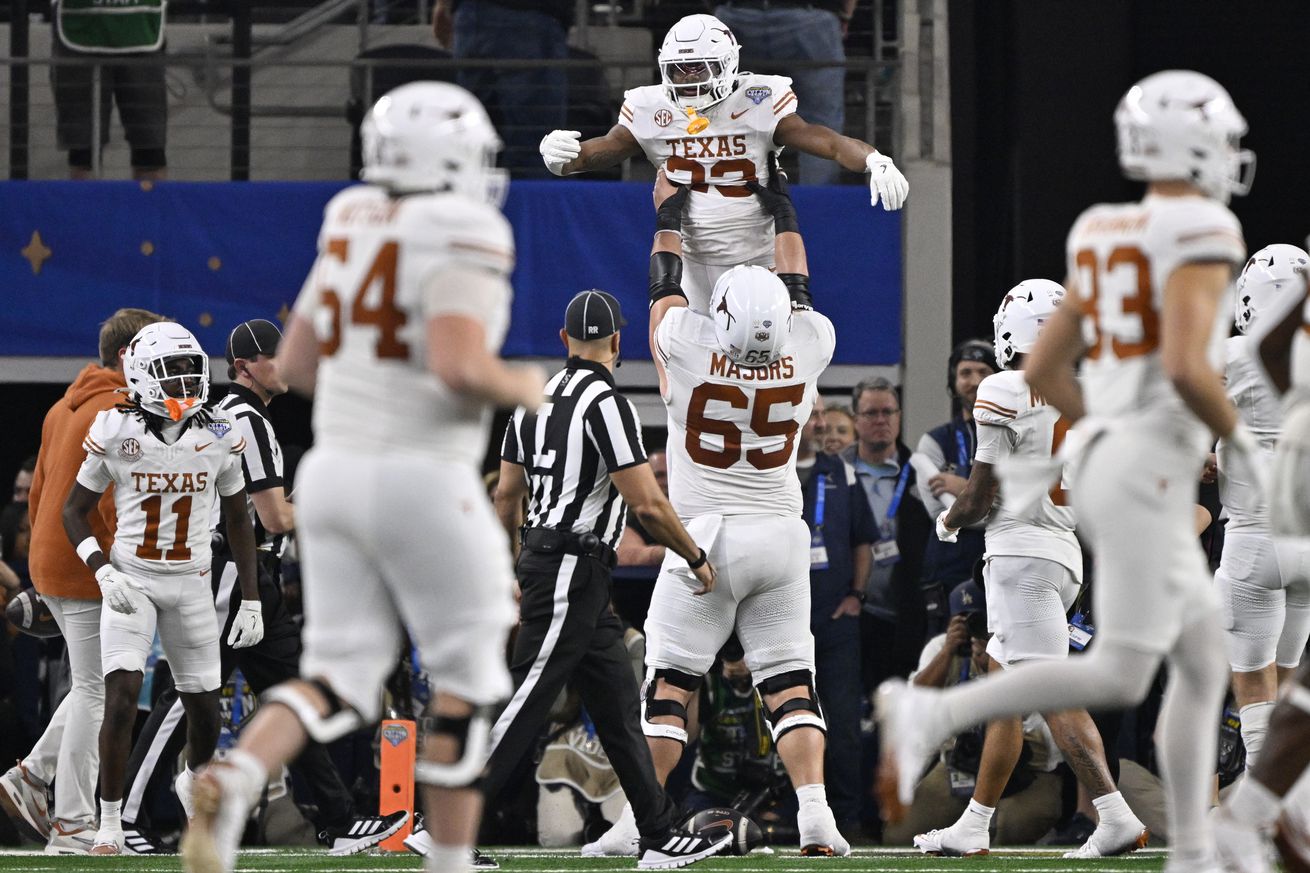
(262, 460)
(583, 431)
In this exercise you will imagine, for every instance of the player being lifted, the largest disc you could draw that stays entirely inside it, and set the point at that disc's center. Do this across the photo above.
(738, 384)
(170, 459)
(713, 129)
(1033, 570)
(1146, 282)
(396, 332)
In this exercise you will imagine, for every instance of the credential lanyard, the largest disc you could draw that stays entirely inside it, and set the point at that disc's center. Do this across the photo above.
(822, 483)
(895, 503)
(963, 448)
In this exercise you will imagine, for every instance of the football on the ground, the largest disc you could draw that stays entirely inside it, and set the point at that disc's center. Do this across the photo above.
(30, 614)
(717, 821)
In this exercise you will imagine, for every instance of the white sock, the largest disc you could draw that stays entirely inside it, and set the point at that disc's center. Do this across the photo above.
(812, 793)
(449, 859)
(1112, 807)
(111, 815)
(976, 816)
(1253, 803)
(1255, 724)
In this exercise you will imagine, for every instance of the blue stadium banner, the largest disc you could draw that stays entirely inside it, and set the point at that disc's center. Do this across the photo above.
(214, 254)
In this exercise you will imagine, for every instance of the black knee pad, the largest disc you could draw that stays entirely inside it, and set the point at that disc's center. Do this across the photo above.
(811, 714)
(653, 707)
(472, 735)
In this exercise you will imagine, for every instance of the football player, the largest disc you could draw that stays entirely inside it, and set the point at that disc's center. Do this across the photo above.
(396, 333)
(739, 383)
(1032, 572)
(1146, 283)
(170, 460)
(1262, 584)
(1264, 805)
(713, 129)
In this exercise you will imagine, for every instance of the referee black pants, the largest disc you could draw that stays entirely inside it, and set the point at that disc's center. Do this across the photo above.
(569, 636)
(275, 659)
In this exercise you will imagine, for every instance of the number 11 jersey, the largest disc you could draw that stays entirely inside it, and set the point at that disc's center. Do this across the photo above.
(733, 428)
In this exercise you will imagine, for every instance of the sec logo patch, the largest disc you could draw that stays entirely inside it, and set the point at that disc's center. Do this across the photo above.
(129, 450)
(663, 118)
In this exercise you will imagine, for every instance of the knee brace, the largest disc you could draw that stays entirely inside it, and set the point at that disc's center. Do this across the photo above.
(781, 720)
(472, 734)
(652, 707)
(340, 720)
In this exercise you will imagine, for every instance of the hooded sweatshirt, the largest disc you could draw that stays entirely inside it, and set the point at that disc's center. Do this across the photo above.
(53, 562)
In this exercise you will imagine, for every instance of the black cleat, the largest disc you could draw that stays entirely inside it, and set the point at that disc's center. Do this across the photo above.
(362, 833)
(679, 848)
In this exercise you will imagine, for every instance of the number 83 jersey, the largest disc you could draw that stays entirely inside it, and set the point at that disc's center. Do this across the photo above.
(1121, 256)
(164, 495)
(732, 428)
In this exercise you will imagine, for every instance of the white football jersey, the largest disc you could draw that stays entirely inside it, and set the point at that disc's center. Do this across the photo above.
(165, 495)
(733, 429)
(1239, 487)
(1121, 256)
(1014, 422)
(716, 162)
(377, 281)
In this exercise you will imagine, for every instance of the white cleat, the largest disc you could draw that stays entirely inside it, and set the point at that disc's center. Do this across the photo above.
(819, 834)
(67, 838)
(954, 841)
(25, 799)
(908, 742)
(419, 842)
(220, 812)
(108, 841)
(1239, 847)
(183, 786)
(1113, 838)
(621, 841)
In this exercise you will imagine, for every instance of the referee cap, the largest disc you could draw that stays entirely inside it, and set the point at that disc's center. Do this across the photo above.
(251, 338)
(593, 315)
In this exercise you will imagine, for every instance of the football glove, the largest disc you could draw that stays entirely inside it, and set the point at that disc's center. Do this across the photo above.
(558, 148)
(116, 587)
(248, 626)
(886, 182)
(669, 214)
(944, 533)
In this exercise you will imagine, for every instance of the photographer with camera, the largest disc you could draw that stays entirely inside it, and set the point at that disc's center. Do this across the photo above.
(1030, 802)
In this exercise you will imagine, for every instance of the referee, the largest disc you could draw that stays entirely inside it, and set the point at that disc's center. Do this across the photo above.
(251, 350)
(572, 461)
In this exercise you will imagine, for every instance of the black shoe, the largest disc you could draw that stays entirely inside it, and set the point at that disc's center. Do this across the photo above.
(678, 848)
(483, 862)
(139, 842)
(362, 833)
(1074, 832)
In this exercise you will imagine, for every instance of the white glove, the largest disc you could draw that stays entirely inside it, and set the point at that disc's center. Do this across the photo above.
(944, 533)
(248, 626)
(116, 588)
(558, 148)
(885, 181)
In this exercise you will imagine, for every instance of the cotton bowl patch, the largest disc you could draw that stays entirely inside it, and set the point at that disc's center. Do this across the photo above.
(395, 734)
(219, 428)
(758, 94)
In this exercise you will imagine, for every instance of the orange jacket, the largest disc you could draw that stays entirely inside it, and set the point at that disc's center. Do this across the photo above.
(52, 561)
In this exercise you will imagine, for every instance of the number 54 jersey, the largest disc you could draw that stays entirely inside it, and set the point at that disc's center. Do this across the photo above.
(1121, 257)
(732, 428)
(164, 495)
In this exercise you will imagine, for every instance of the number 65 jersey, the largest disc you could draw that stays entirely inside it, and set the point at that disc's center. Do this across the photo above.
(733, 428)
(1121, 257)
(164, 495)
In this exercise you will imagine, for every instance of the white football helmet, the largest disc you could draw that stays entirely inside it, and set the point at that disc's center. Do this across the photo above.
(433, 136)
(1023, 313)
(752, 315)
(1269, 273)
(1179, 124)
(698, 62)
(167, 371)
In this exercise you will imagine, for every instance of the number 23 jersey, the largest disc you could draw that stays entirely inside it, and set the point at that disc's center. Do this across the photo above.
(164, 494)
(733, 429)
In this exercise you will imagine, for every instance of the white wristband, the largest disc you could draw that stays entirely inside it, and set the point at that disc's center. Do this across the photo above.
(87, 548)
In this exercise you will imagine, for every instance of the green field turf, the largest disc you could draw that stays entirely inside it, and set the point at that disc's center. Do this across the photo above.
(521, 860)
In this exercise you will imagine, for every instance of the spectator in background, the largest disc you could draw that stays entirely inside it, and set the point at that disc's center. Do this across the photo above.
(841, 531)
(70, 744)
(773, 33)
(523, 103)
(87, 29)
(15, 538)
(1031, 801)
(949, 448)
(838, 428)
(637, 548)
(23, 479)
(892, 627)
